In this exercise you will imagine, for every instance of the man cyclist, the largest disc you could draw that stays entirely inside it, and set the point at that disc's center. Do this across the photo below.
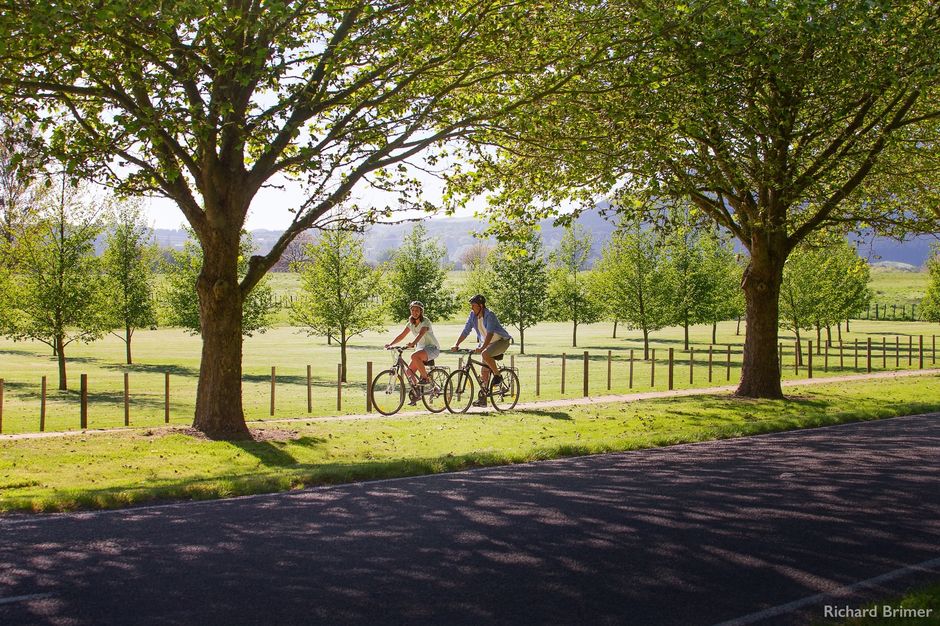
(492, 337)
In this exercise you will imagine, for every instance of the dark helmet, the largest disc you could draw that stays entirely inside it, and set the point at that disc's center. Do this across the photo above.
(478, 299)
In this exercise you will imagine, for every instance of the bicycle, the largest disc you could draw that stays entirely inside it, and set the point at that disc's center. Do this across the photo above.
(459, 390)
(388, 387)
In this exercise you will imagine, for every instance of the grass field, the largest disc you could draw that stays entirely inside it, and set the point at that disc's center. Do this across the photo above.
(134, 466)
(547, 346)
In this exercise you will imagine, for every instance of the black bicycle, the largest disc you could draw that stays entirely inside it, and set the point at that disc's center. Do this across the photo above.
(388, 388)
(459, 391)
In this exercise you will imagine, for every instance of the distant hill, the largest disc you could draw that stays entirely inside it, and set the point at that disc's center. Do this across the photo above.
(457, 234)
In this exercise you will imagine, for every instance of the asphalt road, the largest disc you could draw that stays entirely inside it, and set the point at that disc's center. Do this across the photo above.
(764, 528)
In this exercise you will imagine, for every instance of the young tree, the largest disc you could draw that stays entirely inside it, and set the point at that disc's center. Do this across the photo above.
(724, 299)
(630, 274)
(478, 261)
(207, 102)
(930, 305)
(570, 298)
(180, 303)
(518, 286)
(56, 296)
(822, 285)
(21, 190)
(337, 290)
(776, 119)
(129, 263)
(418, 271)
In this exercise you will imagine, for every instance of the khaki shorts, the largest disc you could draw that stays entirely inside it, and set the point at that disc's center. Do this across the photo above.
(497, 347)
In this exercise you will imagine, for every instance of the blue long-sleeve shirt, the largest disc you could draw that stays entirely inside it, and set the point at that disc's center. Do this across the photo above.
(490, 323)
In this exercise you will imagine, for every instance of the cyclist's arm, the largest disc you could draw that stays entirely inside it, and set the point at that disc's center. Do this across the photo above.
(398, 338)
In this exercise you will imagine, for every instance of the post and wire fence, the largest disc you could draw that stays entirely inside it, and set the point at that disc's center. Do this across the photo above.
(542, 377)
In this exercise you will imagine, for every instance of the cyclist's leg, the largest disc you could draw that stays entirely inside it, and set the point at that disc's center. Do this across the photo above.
(417, 363)
(496, 348)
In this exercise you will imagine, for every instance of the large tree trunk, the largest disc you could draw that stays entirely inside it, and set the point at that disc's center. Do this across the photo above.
(760, 372)
(219, 412)
(60, 355)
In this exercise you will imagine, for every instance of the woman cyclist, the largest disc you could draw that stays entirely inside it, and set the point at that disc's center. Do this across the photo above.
(427, 344)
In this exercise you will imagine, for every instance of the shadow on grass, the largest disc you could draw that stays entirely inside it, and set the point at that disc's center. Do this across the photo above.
(555, 415)
(269, 454)
(174, 370)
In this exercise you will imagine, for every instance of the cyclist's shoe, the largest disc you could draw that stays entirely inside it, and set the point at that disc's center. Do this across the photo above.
(497, 381)
(481, 400)
(413, 397)
(424, 382)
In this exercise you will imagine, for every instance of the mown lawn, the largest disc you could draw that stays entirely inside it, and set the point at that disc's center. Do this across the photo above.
(128, 467)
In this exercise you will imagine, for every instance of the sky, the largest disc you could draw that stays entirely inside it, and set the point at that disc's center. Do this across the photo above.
(270, 207)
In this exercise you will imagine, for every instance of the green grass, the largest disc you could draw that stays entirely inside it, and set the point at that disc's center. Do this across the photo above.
(892, 287)
(135, 466)
(923, 598)
(23, 364)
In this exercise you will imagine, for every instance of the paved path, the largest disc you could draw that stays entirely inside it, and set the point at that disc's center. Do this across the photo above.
(542, 404)
(759, 528)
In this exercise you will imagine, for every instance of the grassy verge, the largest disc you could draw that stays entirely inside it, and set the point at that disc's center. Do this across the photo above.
(137, 466)
(919, 607)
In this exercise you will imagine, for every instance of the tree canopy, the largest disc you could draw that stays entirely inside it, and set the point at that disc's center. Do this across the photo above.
(206, 102)
(776, 119)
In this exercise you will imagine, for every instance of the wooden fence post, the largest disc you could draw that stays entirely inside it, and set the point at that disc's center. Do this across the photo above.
(339, 386)
(710, 362)
(585, 373)
(856, 353)
(670, 368)
(728, 365)
(127, 398)
(868, 355)
(826, 358)
(608, 370)
(796, 358)
(1, 405)
(897, 352)
(933, 356)
(884, 353)
(42, 406)
(369, 386)
(653, 368)
(691, 365)
(166, 400)
(512, 361)
(84, 402)
(779, 357)
(910, 350)
(841, 356)
(809, 360)
(538, 375)
(273, 385)
(920, 359)
(631, 369)
(310, 389)
(563, 357)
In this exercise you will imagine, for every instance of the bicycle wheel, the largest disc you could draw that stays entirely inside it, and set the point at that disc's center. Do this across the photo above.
(388, 392)
(433, 394)
(458, 392)
(505, 395)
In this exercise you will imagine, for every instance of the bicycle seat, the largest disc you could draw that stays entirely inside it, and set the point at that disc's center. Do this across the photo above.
(430, 363)
(498, 357)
